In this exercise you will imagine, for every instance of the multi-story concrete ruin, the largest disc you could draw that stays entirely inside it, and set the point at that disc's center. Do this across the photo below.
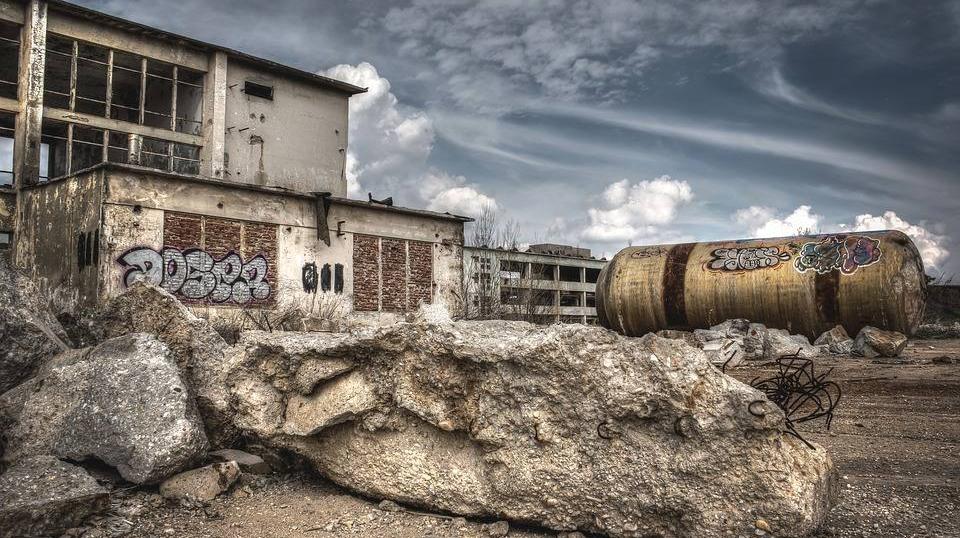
(547, 283)
(131, 153)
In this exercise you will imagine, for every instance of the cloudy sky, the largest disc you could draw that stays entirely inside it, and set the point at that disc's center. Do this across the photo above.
(620, 122)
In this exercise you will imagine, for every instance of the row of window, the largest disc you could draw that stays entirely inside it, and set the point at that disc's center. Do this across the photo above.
(511, 269)
(526, 296)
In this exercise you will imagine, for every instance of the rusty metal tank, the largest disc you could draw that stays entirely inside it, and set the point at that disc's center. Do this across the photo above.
(805, 284)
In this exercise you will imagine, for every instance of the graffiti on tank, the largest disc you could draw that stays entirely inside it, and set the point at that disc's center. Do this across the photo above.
(195, 274)
(746, 259)
(846, 253)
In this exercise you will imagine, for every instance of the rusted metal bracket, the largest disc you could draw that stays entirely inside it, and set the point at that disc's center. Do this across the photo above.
(322, 204)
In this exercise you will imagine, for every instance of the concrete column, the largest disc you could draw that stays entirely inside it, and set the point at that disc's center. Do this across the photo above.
(33, 44)
(214, 116)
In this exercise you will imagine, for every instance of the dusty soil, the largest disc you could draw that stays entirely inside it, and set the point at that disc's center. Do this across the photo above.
(895, 440)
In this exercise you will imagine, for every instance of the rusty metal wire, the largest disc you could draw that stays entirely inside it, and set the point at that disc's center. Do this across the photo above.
(799, 392)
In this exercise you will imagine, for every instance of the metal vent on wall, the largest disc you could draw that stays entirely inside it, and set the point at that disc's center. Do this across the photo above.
(258, 90)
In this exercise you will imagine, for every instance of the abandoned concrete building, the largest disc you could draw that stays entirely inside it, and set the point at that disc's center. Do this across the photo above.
(547, 283)
(130, 153)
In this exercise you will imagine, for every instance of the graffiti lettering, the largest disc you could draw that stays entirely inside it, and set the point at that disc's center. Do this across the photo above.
(195, 274)
(746, 259)
(308, 275)
(846, 253)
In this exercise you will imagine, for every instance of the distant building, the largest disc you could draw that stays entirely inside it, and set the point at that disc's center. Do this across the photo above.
(546, 284)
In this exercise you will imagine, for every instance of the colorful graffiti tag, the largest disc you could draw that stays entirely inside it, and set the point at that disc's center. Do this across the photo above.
(195, 274)
(846, 253)
(746, 259)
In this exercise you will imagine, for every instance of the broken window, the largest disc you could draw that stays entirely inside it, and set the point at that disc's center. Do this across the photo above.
(539, 271)
(158, 95)
(86, 147)
(186, 159)
(569, 274)
(543, 297)
(258, 90)
(9, 59)
(510, 296)
(570, 298)
(511, 269)
(590, 299)
(118, 147)
(125, 87)
(155, 153)
(53, 150)
(189, 101)
(592, 275)
(6, 239)
(57, 72)
(92, 66)
(7, 122)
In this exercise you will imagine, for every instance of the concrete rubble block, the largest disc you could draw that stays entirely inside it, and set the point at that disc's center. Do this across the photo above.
(872, 342)
(779, 343)
(43, 496)
(753, 341)
(686, 336)
(201, 484)
(29, 332)
(568, 427)
(732, 327)
(340, 400)
(196, 346)
(313, 371)
(727, 351)
(249, 463)
(835, 341)
(706, 335)
(122, 402)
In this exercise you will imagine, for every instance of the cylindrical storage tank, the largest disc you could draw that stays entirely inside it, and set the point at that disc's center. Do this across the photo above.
(805, 284)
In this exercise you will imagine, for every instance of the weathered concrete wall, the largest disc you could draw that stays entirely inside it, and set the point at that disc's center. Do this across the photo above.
(61, 246)
(298, 140)
(145, 213)
(8, 209)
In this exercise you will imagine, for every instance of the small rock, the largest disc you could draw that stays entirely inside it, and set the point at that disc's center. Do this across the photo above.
(762, 524)
(686, 336)
(780, 343)
(732, 327)
(872, 342)
(943, 359)
(497, 530)
(704, 335)
(249, 463)
(202, 484)
(727, 351)
(43, 496)
(389, 506)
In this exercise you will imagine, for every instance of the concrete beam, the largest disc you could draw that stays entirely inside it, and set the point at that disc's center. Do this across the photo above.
(214, 116)
(33, 43)
(111, 124)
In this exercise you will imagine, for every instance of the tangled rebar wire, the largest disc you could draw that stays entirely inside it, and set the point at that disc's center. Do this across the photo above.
(799, 392)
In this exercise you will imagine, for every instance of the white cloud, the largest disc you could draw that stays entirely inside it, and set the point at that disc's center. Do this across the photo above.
(637, 212)
(759, 221)
(390, 146)
(762, 221)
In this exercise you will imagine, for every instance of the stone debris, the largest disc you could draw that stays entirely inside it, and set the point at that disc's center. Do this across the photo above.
(249, 463)
(555, 426)
(196, 346)
(872, 342)
(737, 340)
(29, 333)
(122, 402)
(498, 529)
(43, 496)
(202, 484)
(779, 342)
(340, 400)
(835, 341)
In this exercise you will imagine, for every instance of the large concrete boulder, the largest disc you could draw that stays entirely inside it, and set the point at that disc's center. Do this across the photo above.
(43, 496)
(196, 346)
(872, 342)
(780, 343)
(29, 332)
(569, 427)
(122, 402)
(835, 341)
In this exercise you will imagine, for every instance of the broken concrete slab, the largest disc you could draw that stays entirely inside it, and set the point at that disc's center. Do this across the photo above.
(196, 346)
(340, 400)
(558, 426)
(313, 371)
(835, 341)
(780, 343)
(726, 351)
(29, 332)
(43, 496)
(202, 484)
(249, 463)
(872, 342)
(122, 402)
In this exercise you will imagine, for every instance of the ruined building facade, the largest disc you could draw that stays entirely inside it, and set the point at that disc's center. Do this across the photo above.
(547, 283)
(128, 153)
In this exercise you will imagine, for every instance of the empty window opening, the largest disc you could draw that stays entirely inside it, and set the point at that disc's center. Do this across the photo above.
(186, 159)
(125, 87)
(510, 296)
(91, 79)
(53, 150)
(9, 58)
(189, 109)
(590, 299)
(325, 277)
(570, 298)
(543, 297)
(539, 271)
(86, 147)
(510, 269)
(338, 278)
(592, 275)
(7, 122)
(158, 95)
(118, 147)
(569, 274)
(258, 90)
(57, 72)
(6, 240)
(155, 153)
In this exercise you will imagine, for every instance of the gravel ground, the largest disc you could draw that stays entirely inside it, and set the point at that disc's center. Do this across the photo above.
(895, 440)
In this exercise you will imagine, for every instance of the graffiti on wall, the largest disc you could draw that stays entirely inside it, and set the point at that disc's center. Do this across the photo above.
(195, 274)
(310, 277)
(846, 253)
(746, 259)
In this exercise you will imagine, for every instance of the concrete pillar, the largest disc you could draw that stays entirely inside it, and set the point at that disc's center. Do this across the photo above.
(33, 44)
(214, 116)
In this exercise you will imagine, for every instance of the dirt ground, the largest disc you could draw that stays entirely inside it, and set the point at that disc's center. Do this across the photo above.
(895, 440)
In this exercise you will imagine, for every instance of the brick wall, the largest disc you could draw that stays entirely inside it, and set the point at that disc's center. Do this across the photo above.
(405, 269)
